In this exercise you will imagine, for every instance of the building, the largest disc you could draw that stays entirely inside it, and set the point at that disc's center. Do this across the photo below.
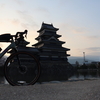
(49, 45)
(52, 55)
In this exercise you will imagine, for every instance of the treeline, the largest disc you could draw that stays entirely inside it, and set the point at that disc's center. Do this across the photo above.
(88, 66)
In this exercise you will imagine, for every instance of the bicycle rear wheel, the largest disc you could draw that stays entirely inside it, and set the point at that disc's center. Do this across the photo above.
(25, 73)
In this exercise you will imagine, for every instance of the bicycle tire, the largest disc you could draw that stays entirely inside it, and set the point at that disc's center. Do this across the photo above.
(31, 71)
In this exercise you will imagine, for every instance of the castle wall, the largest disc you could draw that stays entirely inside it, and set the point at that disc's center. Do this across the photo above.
(55, 70)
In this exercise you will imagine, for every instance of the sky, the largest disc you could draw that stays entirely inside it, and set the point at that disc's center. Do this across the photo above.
(78, 22)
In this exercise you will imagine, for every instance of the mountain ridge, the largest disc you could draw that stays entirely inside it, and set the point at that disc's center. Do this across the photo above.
(72, 60)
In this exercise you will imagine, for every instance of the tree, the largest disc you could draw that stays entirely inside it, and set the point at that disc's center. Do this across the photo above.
(77, 64)
(92, 66)
(84, 66)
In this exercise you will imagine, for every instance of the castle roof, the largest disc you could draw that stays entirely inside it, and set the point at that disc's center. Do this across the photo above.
(47, 26)
(46, 41)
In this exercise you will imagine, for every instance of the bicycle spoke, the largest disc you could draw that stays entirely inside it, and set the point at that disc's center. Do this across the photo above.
(24, 73)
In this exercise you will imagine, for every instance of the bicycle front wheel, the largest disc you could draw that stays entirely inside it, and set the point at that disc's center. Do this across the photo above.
(22, 68)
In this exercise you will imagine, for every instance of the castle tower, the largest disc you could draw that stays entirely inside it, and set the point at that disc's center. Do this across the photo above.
(49, 45)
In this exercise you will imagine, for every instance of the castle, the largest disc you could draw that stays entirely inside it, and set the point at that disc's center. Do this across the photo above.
(49, 45)
(49, 51)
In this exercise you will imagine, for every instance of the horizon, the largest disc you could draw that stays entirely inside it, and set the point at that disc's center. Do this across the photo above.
(92, 58)
(73, 59)
(77, 20)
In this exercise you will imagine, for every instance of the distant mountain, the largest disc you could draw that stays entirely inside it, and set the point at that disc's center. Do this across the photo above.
(72, 60)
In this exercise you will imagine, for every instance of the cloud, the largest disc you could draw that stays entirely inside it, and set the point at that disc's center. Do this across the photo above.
(22, 14)
(94, 37)
(63, 2)
(74, 29)
(2, 6)
(93, 49)
(15, 22)
(79, 30)
(42, 10)
(19, 2)
(26, 19)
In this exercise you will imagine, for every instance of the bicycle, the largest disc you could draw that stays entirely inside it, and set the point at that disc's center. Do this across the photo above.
(20, 68)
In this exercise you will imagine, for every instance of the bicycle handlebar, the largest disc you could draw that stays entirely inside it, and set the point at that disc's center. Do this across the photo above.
(13, 35)
(7, 36)
(21, 35)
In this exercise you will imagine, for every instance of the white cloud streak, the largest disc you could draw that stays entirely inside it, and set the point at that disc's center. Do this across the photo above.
(26, 19)
(93, 49)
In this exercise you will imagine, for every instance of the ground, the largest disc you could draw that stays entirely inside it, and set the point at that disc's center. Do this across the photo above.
(69, 90)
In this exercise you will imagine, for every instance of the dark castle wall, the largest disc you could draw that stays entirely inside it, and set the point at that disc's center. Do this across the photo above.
(56, 67)
(55, 70)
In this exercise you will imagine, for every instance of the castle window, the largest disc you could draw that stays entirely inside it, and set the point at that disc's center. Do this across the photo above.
(55, 58)
(44, 58)
(63, 58)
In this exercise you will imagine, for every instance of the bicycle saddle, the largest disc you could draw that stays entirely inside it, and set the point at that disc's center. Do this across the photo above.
(5, 37)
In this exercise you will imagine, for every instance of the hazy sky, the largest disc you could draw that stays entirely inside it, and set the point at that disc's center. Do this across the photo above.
(78, 22)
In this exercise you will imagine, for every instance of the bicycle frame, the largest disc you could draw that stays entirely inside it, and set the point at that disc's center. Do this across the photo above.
(12, 45)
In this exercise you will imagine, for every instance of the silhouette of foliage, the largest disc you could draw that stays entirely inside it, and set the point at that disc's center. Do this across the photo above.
(84, 66)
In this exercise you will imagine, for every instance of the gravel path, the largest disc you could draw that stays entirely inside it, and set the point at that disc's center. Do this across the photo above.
(76, 90)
